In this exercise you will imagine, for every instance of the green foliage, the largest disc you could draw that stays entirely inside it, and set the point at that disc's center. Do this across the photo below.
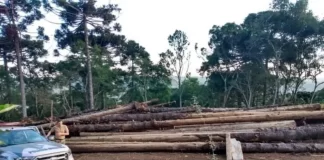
(271, 50)
(7, 107)
(263, 61)
(177, 60)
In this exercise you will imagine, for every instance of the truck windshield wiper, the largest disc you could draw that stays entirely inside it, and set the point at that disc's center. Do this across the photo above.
(4, 145)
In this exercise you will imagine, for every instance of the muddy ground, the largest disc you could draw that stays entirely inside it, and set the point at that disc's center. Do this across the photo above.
(192, 156)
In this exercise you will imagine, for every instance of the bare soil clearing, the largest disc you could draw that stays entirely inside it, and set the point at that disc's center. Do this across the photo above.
(192, 156)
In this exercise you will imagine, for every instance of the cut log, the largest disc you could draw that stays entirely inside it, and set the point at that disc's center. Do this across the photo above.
(141, 147)
(138, 126)
(150, 138)
(131, 106)
(156, 116)
(306, 107)
(99, 143)
(198, 146)
(8, 124)
(188, 109)
(157, 133)
(284, 135)
(283, 147)
(234, 126)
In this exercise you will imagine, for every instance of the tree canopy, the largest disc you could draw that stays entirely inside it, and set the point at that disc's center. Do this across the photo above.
(265, 60)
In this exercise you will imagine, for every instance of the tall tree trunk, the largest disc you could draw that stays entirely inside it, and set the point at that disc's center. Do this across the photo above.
(277, 83)
(287, 80)
(314, 91)
(133, 85)
(239, 99)
(265, 85)
(89, 66)
(295, 92)
(103, 93)
(86, 95)
(283, 101)
(5, 61)
(180, 91)
(18, 54)
(71, 95)
(225, 93)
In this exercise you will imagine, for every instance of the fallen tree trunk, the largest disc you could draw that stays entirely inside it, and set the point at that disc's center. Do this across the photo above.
(156, 132)
(283, 135)
(140, 147)
(156, 116)
(11, 123)
(275, 135)
(233, 126)
(150, 138)
(283, 147)
(188, 109)
(306, 107)
(198, 147)
(135, 105)
(138, 126)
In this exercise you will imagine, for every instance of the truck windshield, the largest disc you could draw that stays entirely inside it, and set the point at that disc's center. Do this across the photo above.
(16, 137)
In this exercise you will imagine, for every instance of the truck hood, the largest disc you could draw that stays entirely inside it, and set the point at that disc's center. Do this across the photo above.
(34, 149)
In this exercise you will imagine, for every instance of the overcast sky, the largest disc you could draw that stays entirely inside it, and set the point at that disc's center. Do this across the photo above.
(150, 22)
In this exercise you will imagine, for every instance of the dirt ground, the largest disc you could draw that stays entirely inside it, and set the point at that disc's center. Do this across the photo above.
(191, 156)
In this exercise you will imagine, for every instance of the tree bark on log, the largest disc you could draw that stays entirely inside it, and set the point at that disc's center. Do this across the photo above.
(157, 116)
(306, 107)
(188, 109)
(141, 147)
(234, 126)
(136, 105)
(156, 132)
(284, 135)
(150, 138)
(283, 147)
(197, 147)
(140, 126)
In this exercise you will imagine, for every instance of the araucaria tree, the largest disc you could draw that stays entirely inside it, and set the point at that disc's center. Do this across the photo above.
(78, 17)
(177, 59)
(16, 16)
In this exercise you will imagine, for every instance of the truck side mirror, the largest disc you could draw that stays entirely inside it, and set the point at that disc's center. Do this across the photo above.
(51, 138)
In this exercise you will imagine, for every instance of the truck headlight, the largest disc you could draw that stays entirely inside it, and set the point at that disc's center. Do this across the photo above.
(69, 152)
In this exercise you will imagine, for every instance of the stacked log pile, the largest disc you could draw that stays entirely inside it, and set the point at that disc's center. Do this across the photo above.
(139, 127)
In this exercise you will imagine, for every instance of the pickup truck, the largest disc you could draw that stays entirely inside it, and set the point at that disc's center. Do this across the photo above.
(26, 143)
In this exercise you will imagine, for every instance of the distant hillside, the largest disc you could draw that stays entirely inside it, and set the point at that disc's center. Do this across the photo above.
(308, 86)
(174, 83)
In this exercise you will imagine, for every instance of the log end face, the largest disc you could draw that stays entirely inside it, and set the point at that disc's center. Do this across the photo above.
(140, 106)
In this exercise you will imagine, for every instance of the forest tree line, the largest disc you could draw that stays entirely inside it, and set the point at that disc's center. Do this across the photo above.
(263, 61)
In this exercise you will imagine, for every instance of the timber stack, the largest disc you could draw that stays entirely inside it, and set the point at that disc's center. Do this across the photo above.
(140, 127)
